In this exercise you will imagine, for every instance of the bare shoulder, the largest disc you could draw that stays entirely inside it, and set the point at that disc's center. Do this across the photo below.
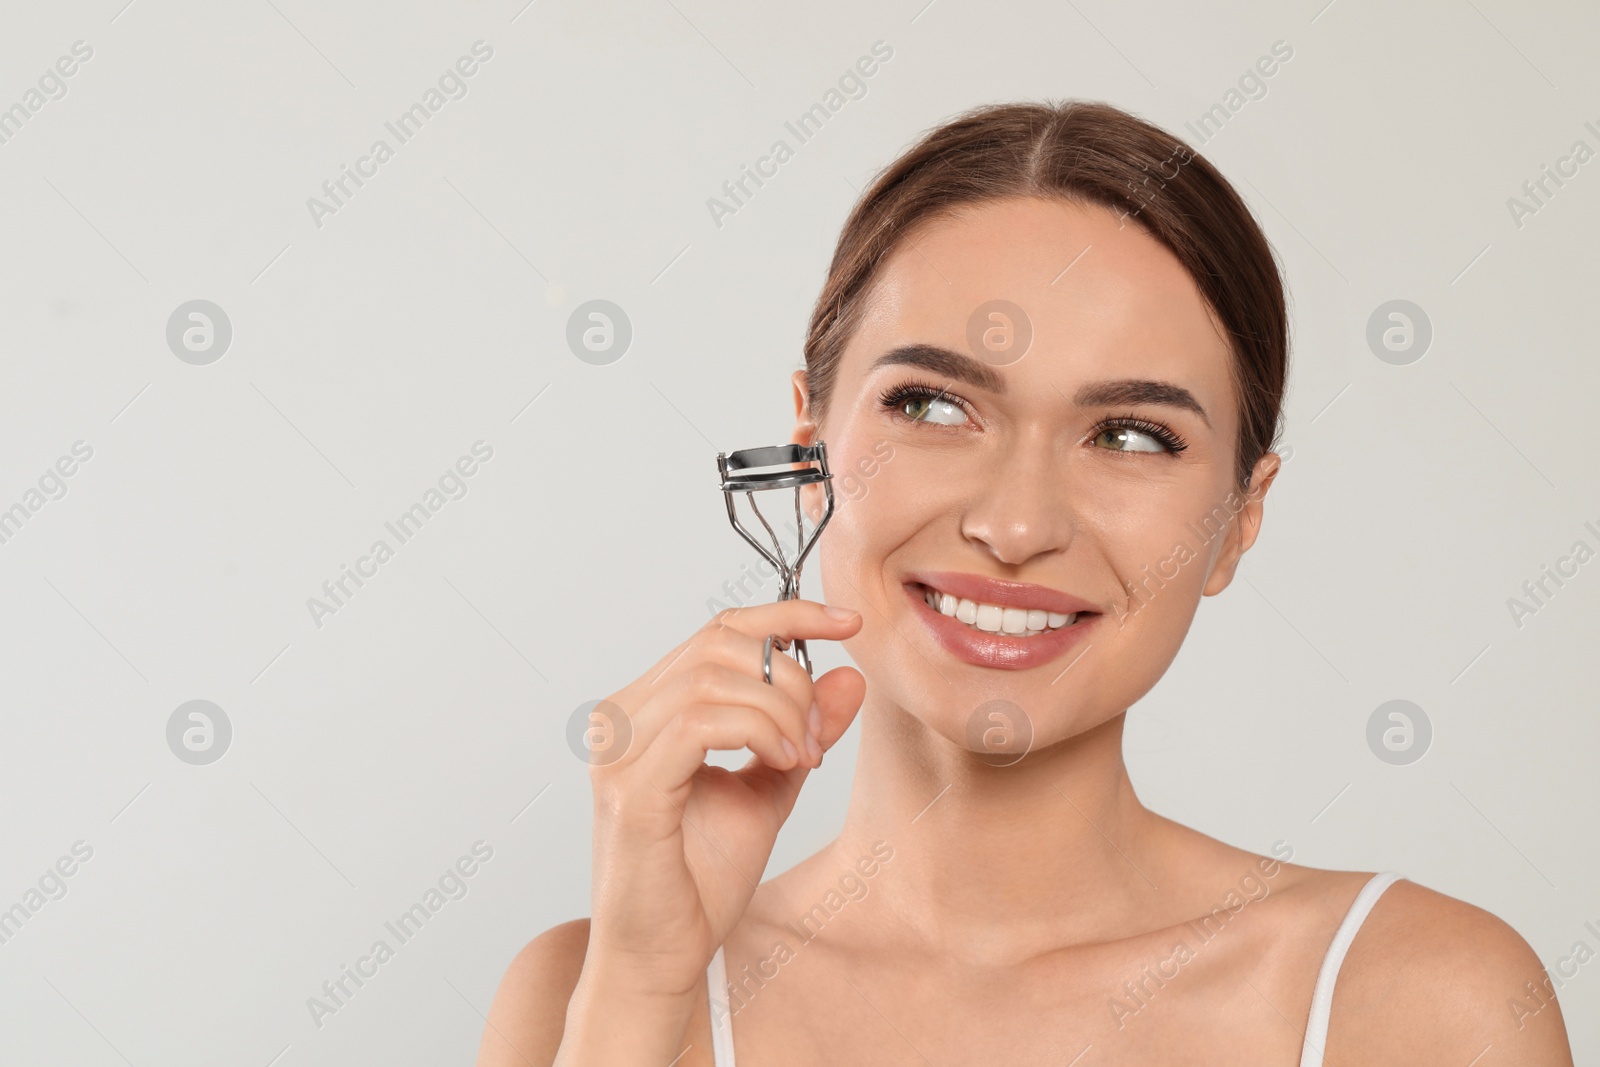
(530, 1007)
(1430, 979)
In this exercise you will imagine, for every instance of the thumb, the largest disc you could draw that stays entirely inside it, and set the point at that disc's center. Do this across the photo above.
(838, 694)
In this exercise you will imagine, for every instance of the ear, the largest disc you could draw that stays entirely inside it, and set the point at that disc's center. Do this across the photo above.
(805, 423)
(1247, 525)
(805, 433)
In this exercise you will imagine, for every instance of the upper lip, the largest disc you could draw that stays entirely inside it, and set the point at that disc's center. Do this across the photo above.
(1000, 592)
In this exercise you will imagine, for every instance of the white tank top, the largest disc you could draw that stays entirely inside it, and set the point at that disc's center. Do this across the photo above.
(1316, 1026)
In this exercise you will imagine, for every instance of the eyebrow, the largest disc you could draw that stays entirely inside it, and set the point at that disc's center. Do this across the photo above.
(1108, 392)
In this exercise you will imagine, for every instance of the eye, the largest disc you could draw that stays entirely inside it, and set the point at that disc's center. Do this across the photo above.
(1136, 435)
(920, 403)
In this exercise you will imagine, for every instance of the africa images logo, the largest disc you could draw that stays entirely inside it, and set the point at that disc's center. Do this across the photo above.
(452, 85)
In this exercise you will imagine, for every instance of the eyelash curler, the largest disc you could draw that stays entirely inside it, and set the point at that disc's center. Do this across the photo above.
(740, 474)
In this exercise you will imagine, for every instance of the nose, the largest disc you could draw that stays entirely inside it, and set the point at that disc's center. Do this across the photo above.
(1019, 509)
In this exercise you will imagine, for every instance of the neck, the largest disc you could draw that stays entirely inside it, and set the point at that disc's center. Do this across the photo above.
(994, 863)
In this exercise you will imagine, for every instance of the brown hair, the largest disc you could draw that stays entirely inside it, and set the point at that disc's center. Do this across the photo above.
(1086, 152)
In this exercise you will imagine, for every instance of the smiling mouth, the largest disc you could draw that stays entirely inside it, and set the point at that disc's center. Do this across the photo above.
(998, 620)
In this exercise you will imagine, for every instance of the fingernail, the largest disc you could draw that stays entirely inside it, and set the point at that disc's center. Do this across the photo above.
(789, 749)
(814, 748)
(814, 720)
(842, 614)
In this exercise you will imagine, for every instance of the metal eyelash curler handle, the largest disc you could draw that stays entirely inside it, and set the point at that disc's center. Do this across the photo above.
(740, 474)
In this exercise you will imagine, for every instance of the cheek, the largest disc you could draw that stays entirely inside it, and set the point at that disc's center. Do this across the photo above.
(1158, 568)
(868, 480)
(1160, 549)
(873, 510)
(880, 502)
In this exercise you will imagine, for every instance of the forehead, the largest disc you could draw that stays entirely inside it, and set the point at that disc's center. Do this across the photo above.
(1103, 297)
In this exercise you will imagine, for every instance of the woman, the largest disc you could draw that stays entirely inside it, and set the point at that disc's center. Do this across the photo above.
(1057, 339)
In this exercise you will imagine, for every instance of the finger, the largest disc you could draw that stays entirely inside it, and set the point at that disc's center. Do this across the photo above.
(744, 654)
(711, 682)
(838, 694)
(700, 728)
(789, 619)
(738, 652)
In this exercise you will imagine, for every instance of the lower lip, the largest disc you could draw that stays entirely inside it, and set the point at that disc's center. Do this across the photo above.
(984, 649)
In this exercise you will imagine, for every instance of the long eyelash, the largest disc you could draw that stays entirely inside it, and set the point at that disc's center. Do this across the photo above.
(896, 397)
(1172, 441)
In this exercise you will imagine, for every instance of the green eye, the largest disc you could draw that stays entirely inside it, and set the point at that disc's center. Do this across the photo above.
(1136, 435)
(929, 409)
(1125, 440)
(921, 404)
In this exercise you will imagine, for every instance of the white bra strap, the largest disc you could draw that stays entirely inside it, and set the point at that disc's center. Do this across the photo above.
(1322, 998)
(721, 1016)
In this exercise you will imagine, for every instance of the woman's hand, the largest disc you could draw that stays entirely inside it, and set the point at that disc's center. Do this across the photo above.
(679, 846)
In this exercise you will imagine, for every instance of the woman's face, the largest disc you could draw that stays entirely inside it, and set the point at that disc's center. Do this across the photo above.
(1097, 464)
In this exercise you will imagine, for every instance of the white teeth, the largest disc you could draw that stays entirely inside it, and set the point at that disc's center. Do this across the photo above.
(992, 618)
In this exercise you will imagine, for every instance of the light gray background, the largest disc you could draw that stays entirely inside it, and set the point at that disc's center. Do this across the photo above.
(372, 351)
